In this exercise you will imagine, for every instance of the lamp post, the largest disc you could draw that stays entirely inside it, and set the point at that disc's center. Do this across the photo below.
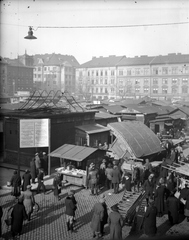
(30, 34)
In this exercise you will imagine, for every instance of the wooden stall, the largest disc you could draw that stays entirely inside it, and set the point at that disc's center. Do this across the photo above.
(74, 162)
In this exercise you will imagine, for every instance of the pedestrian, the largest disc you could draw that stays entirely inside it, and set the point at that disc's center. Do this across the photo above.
(29, 201)
(97, 218)
(57, 186)
(26, 179)
(33, 170)
(108, 173)
(115, 222)
(136, 178)
(126, 180)
(15, 182)
(163, 170)
(159, 197)
(1, 215)
(40, 179)
(148, 187)
(18, 216)
(37, 163)
(102, 175)
(45, 162)
(75, 203)
(70, 210)
(150, 228)
(93, 179)
(116, 178)
(105, 216)
(170, 186)
(173, 208)
(183, 193)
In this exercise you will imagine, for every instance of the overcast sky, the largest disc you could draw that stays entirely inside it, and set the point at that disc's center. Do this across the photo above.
(84, 43)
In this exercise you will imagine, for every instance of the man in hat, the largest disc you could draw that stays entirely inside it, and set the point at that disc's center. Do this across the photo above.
(70, 211)
(115, 222)
(26, 179)
(116, 178)
(45, 163)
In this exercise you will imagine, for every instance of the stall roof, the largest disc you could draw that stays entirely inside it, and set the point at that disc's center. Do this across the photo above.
(93, 128)
(141, 139)
(73, 152)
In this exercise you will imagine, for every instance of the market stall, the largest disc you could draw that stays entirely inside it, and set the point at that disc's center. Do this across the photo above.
(74, 162)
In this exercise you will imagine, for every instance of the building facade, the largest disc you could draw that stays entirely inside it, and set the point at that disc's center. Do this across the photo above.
(159, 77)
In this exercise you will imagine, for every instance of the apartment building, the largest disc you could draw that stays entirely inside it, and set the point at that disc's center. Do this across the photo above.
(55, 72)
(159, 77)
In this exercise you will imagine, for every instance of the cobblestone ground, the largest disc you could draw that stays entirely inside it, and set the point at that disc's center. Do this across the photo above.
(50, 222)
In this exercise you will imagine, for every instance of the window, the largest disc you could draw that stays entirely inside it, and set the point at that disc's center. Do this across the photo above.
(101, 73)
(101, 90)
(146, 71)
(174, 80)
(128, 81)
(121, 91)
(165, 70)
(137, 81)
(164, 81)
(39, 75)
(39, 68)
(129, 72)
(106, 90)
(92, 73)
(96, 90)
(96, 81)
(155, 81)
(112, 80)
(185, 81)
(112, 72)
(174, 90)
(120, 72)
(155, 71)
(155, 90)
(45, 68)
(146, 81)
(174, 70)
(97, 73)
(164, 90)
(106, 73)
(137, 71)
(121, 81)
(184, 89)
(88, 73)
(185, 70)
(146, 90)
(112, 90)
(137, 89)
(106, 81)
(101, 81)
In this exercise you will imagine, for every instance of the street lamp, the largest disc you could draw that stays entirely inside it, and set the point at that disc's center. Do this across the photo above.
(30, 34)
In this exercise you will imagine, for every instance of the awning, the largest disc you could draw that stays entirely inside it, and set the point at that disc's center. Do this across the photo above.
(177, 141)
(73, 152)
(169, 124)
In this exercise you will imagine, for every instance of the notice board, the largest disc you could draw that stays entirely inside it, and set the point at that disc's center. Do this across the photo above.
(34, 133)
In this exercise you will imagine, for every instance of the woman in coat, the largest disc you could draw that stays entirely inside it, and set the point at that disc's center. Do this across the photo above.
(149, 188)
(18, 216)
(33, 170)
(29, 201)
(98, 215)
(115, 222)
(173, 208)
(159, 197)
(26, 180)
(15, 183)
(150, 228)
(70, 211)
(56, 185)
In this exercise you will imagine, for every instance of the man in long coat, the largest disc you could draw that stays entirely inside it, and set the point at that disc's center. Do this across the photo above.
(150, 228)
(70, 211)
(26, 180)
(148, 188)
(116, 178)
(98, 215)
(159, 198)
(18, 216)
(115, 222)
(173, 208)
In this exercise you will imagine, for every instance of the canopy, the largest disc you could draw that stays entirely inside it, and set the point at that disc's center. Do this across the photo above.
(73, 152)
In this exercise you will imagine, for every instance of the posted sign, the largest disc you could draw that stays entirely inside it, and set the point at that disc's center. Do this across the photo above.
(34, 133)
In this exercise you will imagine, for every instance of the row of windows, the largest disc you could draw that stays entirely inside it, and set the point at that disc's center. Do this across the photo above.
(67, 69)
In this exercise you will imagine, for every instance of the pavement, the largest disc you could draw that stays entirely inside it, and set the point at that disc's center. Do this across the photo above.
(50, 221)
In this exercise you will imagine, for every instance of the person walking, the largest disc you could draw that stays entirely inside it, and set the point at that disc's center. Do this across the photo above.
(108, 173)
(115, 222)
(148, 187)
(29, 201)
(102, 175)
(15, 182)
(26, 180)
(150, 227)
(40, 181)
(37, 163)
(75, 203)
(70, 211)
(45, 162)
(136, 178)
(57, 186)
(93, 180)
(105, 216)
(116, 178)
(18, 216)
(159, 197)
(126, 180)
(173, 208)
(97, 218)
(33, 170)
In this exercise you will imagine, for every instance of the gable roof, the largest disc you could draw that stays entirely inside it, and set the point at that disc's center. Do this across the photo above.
(141, 139)
(171, 58)
(110, 61)
(142, 60)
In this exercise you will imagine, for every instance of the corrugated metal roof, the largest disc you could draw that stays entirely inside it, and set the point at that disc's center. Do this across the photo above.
(114, 108)
(92, 128)
(73, 152)
(141, 139)
(103, 115)
(145, 109)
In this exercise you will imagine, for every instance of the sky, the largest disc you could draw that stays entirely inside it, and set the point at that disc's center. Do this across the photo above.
(91, 28)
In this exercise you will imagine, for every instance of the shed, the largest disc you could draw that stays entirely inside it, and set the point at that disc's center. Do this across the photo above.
(133, 139)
